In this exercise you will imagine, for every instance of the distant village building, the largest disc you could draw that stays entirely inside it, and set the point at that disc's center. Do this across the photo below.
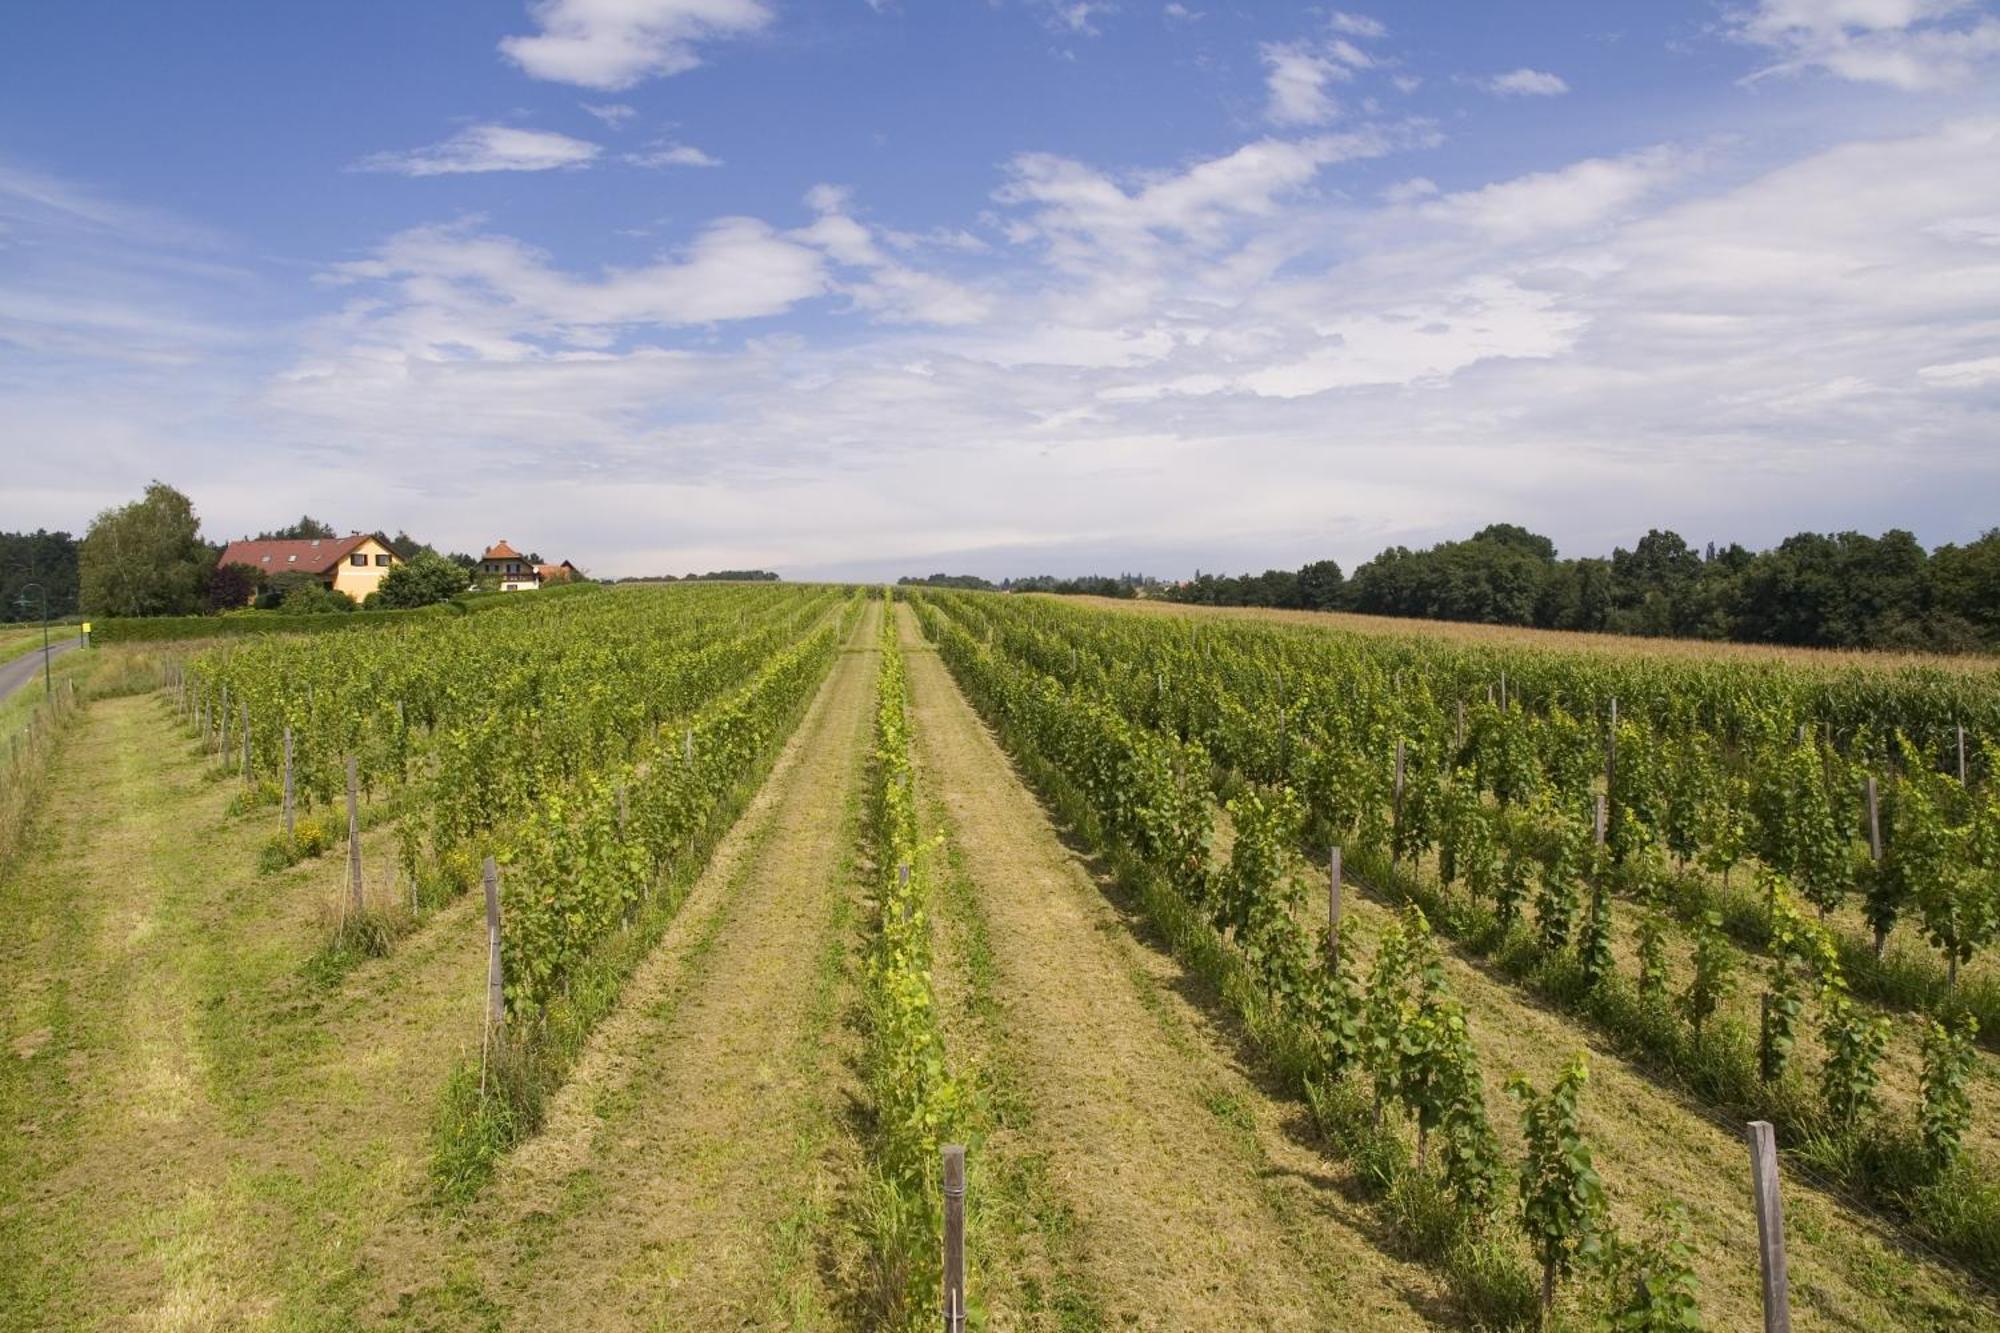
(562, 573)
(354, 564)
(517, 573)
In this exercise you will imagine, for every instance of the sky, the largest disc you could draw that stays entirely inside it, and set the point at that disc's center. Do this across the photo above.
(861, 288)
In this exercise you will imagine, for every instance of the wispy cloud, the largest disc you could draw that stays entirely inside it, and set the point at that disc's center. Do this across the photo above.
(614, 44)
(670, 154)
(1524, 82)
(1296, 79)
(614, 114)
(1357, 25)
(487, 148)
(1915, 45)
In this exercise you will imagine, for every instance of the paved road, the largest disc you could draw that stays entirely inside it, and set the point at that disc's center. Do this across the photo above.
(27, 668)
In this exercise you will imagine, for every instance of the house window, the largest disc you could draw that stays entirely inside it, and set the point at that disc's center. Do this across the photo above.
(357, 559)
(382, 560)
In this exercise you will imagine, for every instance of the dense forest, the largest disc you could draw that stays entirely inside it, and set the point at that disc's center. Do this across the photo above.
(1836, 590)
(37, 559)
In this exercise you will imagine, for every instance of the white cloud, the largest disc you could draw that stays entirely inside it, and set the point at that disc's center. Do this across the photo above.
(614, 44)
(1357, 25)
(1579, 196)
(487, 148)
(1914, 45)
(461, 291)
(614, 114)
(1296, 78)
(1070, 199)
(891, 290)
(1525, 83)
(668, 154)
(1075, 16)
(1246, 358)
(1976, 374)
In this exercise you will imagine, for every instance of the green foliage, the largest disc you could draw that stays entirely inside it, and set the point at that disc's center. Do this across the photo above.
(309, 597)
(1653, 973)
(1794, 946)
(1659, 1292)
(145, 558)
(1944, 1108)
(1562, 1199)
(1402, 954)
(1714, 977)
(1854, 1042)
(311, 836)
(424, 580)
(45, 559)
(1593, 952)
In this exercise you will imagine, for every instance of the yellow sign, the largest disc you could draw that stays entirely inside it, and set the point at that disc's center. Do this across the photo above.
(86, 627)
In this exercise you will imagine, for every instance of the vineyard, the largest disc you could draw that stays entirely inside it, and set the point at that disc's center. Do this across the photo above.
(770, 955)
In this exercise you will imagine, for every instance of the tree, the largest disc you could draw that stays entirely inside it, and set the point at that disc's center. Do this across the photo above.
(305, 529)
(1321, 586)
(408, 548)
(145, 558)
(427, 579)
(231, 587)
(44, 558)
(1518, 537)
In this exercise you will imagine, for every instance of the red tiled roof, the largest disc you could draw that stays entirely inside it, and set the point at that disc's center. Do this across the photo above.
(500, 550)
(311, 556)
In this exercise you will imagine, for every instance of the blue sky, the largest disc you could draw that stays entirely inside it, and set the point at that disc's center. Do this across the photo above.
(853, 289)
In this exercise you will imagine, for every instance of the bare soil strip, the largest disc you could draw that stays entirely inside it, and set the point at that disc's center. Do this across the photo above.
(1198, 1202)
(689, 1167)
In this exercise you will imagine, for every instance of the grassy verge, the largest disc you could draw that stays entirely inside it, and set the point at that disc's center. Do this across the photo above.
(1013, 1205)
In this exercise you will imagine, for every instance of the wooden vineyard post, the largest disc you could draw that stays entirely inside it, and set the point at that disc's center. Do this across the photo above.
(1333, 913)
(622, 812)
(1396, 811)
(1770, 1226)
(1461, 724)
(1961, 754)
(687, 746)
(288, 783)
(246, 745)
(1611, 749)
(954, 1238)
(1503, 691)
(222, 730)
(353, 835)
(496, 990)
(1869, 795)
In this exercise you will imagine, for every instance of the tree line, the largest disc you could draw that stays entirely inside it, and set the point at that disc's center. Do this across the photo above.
(1820, 590)
(149, 558)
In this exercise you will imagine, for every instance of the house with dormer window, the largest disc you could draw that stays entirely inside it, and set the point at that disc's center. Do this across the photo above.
(354, 564)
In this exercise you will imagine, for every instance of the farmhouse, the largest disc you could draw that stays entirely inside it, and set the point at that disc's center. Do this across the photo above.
(518, 573)
(562, 573)
(354, 564)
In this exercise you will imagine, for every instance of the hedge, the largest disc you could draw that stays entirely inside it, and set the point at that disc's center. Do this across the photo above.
(154, 629)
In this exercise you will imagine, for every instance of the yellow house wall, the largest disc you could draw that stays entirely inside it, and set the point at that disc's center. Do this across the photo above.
(357, 581)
